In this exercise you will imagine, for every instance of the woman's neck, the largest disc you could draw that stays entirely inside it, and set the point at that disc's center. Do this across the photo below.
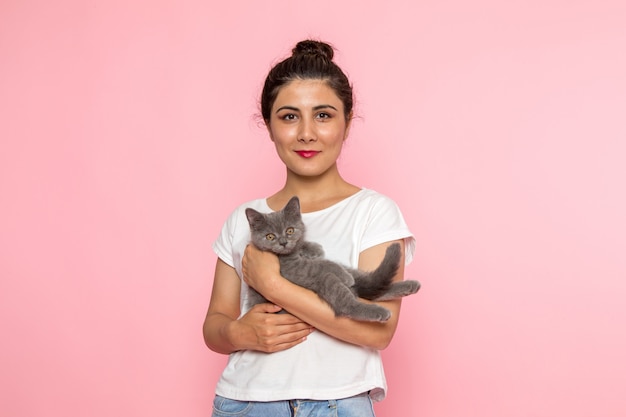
(315, 193)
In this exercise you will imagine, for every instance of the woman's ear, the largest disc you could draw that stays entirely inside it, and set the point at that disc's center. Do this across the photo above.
(348, 125)
(269, 129)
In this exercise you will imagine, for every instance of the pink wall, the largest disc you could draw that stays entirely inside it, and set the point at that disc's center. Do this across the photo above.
(128, 133)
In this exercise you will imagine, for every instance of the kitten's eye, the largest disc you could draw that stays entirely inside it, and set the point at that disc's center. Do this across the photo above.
(270, 236)
(290, 230)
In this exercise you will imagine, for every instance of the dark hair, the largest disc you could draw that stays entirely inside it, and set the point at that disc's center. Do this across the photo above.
(309, 60)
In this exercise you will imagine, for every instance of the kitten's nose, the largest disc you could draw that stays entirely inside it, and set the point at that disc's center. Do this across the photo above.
(283, 242)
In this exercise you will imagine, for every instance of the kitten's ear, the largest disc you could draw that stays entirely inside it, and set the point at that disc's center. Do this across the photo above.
(255, 219)
(293, 207)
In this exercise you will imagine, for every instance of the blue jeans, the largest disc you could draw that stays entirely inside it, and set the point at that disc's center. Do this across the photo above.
(357, 406)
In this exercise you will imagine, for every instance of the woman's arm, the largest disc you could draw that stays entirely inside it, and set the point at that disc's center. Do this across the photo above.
(262, 271)
(259, 329)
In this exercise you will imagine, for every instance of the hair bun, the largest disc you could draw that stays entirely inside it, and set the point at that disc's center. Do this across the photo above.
(311, 47)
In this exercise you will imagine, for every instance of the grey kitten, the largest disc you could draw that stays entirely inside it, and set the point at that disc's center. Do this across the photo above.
(303, 263)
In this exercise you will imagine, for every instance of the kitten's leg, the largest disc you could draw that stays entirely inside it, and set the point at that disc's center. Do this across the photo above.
(365, 312)
(344, 303)
(399, 289)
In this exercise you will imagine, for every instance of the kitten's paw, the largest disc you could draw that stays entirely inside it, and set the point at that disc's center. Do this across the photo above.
(414, 286)
(371, 312)
(399, 289)
(384, 316)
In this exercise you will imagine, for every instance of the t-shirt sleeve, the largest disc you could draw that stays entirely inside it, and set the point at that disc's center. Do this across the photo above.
(386, 223)
(223, 245)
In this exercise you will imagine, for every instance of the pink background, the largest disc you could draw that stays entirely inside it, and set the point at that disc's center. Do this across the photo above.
(128, 133)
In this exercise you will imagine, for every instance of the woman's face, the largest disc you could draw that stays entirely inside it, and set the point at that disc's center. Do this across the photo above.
(308, 127)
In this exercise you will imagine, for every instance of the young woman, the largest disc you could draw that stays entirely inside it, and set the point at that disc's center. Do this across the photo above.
(307, 361)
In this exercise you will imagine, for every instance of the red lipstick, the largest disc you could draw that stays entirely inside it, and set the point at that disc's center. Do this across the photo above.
(307, 154)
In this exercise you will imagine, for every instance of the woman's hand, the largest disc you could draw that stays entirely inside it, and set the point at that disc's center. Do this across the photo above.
(263, 330)
(261, 270)
(259, 329)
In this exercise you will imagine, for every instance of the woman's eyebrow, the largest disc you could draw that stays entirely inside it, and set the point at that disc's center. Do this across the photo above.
(324, 106)
(316, 108)
(287, 108)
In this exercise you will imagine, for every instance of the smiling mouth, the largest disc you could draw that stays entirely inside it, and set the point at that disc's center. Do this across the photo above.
(307, 154)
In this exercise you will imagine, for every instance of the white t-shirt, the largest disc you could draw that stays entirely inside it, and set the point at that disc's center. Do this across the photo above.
(322, 367)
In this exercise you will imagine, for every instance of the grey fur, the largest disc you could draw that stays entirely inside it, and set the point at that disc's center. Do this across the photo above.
(303, 263)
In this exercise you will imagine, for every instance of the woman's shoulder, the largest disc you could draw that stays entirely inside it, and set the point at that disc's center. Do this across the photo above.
(368, 197)
(259, 204)
(237, 216)
(376, 207)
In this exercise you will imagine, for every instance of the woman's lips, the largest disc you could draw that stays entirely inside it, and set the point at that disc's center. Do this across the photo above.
(307, 154)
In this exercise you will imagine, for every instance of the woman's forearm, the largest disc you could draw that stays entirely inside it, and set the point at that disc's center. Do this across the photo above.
(307, 306)
(217, 334)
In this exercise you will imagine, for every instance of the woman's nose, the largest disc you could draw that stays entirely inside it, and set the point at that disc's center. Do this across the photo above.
(307, 132)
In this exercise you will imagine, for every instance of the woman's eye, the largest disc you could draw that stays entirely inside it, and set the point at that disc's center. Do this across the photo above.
(289, 231)
(323, 115)
(288, 116)
(270, 236)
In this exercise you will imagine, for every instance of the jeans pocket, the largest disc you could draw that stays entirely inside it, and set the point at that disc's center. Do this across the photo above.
(225, 407)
